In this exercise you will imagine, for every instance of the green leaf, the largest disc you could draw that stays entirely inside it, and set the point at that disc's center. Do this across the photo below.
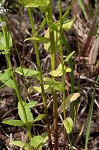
(45, 137)
(83, 8)
(10, 84)
(53, 26)
(32, 104)
(3, 41)
(69, 56)
(42, 24)
(28, 112)
(68, 101)
(40, 117)
(53, 84)
(68, 124)
(14, 122)
(5, 76)
(56, 38)
(38, 39)
(58, 71)
(36, 141)
(67, 25)
(34, 3)
(21, 144)
(38, 89)
(27, 72)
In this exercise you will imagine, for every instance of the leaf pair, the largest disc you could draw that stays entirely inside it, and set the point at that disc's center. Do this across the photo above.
(37, 142)
(29, 115)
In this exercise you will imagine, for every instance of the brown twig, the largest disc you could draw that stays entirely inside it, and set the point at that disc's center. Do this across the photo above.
(90, 35)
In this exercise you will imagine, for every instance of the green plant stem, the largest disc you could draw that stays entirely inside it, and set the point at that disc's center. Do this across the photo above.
(71, 74)
(68, 9)
(14, 80)
(90, 116)
(25, 87)
(40, 77)
(70, 142)
(52, 45)
(63, 73)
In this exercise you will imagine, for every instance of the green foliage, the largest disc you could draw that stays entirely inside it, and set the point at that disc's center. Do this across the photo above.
(6, 79)
(22, 122)
(53, 26)
(21, 144)
(83, 8)
(53, 84)
(68, 124)
(28, 112)
(3, 47)
(10, 84)
(67, 24)
(49, 84)
(37, 89)
(38, 141)
(69, 56)
(34, 3)
(90, 115)
(40, 117)
(56, 38)
(42, 24)
(14, 122)
(41, 4)
(5, 76)
(38, 39)
(32, 104)
(27, 72)
(58, 71)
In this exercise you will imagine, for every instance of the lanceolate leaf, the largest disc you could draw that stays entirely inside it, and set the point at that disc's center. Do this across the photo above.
(69, 56)
(21, 144)
(68, 124)
(10, 84)
(14, 122)
(83, 8)
(5, 76)
(27, 72)
(32, 104)
(28, 112)
(40, 117)
(39, 39)
(68, 101)
(42, 24)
